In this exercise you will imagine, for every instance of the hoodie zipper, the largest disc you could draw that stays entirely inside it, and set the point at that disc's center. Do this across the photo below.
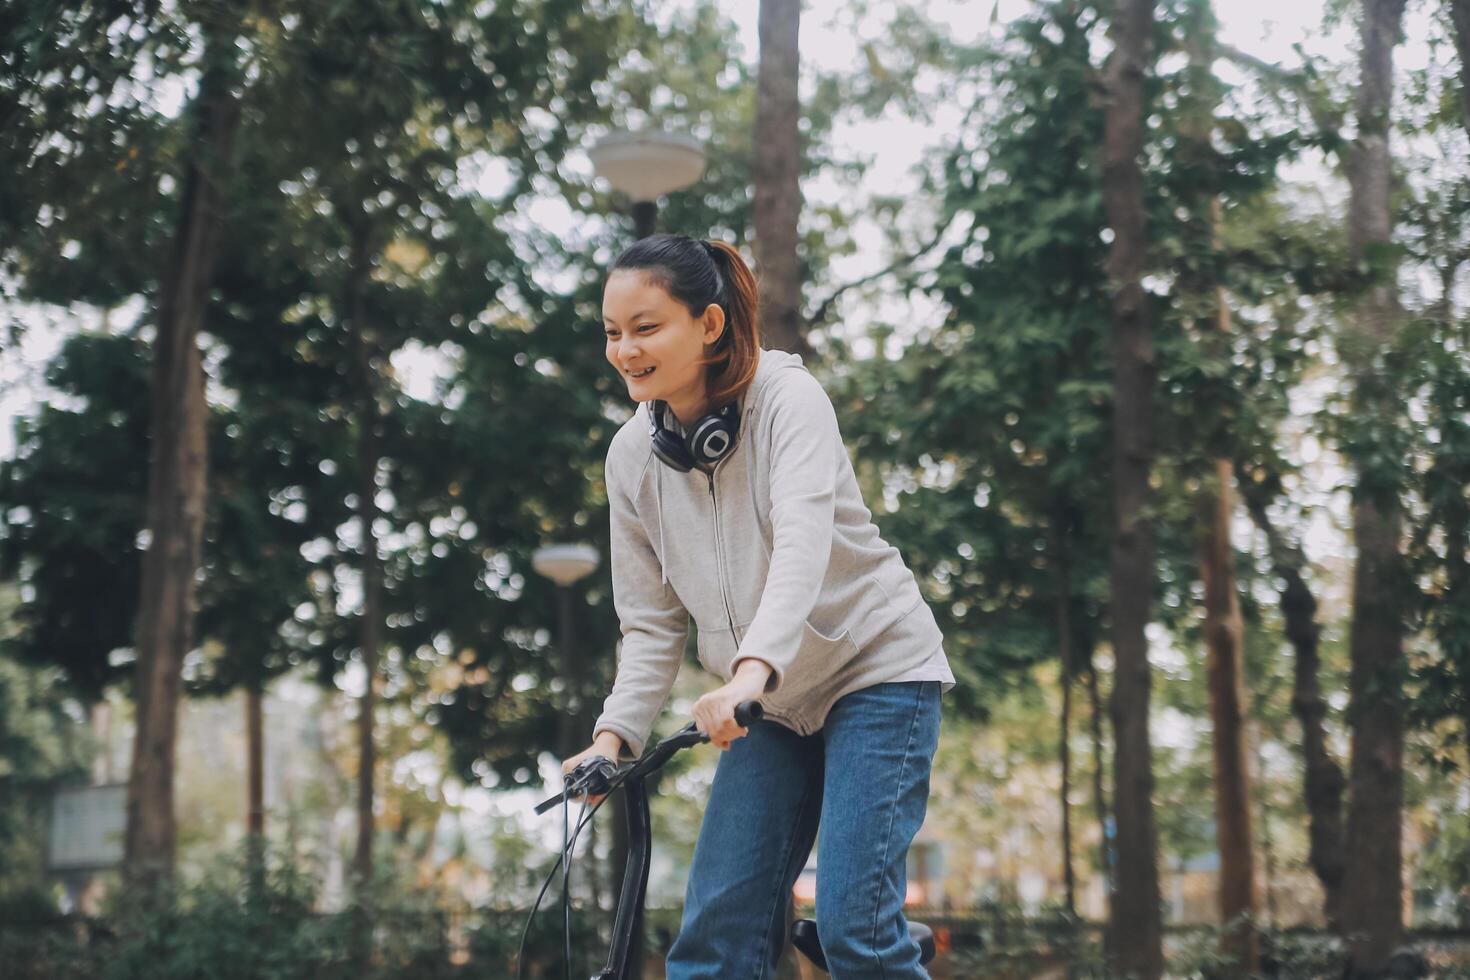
(719, 556)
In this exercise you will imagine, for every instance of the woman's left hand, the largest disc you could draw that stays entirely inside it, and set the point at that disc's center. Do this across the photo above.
(714, 714)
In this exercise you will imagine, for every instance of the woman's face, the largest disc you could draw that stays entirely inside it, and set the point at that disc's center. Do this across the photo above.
(654, 342)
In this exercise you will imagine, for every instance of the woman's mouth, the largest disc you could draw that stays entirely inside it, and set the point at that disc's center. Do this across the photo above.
(640, 374)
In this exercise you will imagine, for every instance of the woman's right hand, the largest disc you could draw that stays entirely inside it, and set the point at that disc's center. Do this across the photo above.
(607, 745)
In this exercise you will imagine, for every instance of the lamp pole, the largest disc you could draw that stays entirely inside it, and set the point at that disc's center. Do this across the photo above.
(566, 565)
(645, 218)
(646, 165)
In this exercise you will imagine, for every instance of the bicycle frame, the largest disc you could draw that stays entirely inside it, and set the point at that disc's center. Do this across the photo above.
(635, 881)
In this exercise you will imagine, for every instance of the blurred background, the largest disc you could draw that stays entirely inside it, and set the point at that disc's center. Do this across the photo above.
(1146, 326)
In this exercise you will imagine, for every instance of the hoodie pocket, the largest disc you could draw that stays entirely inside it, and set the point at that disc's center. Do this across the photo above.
(818, 658)
(716, 650)
(817, 661)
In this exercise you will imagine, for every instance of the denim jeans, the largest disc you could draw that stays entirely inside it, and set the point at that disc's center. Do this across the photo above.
(865, 778)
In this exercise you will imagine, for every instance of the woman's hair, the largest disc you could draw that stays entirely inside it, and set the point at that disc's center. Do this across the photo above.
(698, 273)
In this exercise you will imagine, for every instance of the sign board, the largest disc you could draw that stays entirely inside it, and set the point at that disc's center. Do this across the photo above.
(87, 825)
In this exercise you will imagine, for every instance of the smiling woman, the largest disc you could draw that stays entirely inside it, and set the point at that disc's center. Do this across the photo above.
(733, 504)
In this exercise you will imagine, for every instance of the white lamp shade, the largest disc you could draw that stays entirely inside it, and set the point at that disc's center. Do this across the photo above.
(566, 563)
(647, 165)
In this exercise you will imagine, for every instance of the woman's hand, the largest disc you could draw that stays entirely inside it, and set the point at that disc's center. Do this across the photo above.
(714, 714)
(606, 744)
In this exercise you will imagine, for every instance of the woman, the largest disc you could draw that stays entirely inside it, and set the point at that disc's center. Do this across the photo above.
(734, 504)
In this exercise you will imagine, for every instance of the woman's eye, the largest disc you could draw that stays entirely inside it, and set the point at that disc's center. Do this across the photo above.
(647, 326)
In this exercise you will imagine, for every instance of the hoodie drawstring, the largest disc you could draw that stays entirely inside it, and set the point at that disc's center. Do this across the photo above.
(658, 495)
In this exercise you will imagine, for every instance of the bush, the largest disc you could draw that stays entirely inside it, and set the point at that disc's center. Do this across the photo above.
(493, 943)
(247, 918)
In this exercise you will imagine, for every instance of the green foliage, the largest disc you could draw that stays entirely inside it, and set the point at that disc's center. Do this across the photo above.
(41, 750)
(495, 942)
(992, 433)
(1001, 941)
(87, 138)
(247, 917)
(1285, 954)
(72, 501)
(987, 429)
(1430, 369)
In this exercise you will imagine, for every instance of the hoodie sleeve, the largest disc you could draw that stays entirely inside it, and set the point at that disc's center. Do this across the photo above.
(653, 621)
(805, 454)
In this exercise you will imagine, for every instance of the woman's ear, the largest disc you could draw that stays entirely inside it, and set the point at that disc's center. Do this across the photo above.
(714, 323)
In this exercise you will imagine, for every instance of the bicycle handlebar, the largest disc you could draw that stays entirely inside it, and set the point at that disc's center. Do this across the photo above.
(595, 770)
(749, 712)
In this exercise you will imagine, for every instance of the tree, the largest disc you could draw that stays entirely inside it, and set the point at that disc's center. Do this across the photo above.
(1134, 927)
(1308, 260)
(1372, 911)
(985, 439)
(177, 472)
(1203, 291)
(75, 157)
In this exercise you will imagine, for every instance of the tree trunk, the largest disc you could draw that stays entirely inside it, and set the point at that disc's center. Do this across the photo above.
(254, 793)
(1135, 927)
(776, 171)
(1099, 776)
(254, 764)
(1324, 781)
(1064, 655)
(371, 566)
(1460, 17)
(1372, 910)
(1238, 893)
(177, 475)
(1268, 843)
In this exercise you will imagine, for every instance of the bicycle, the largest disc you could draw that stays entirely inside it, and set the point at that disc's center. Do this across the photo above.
(598, 776)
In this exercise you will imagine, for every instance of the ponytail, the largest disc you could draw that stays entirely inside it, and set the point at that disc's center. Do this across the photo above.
(698, 273)
(738, 350)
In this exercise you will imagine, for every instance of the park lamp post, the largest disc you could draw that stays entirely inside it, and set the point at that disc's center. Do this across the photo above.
(646, 165)
(566, 565)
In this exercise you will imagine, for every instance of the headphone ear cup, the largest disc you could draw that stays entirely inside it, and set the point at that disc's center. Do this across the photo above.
(712, 439)
(671, 449)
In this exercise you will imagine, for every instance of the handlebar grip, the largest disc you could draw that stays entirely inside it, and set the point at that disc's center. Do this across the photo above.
(748, 712)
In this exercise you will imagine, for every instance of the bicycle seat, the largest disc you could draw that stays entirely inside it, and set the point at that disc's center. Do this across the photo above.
(804, 938)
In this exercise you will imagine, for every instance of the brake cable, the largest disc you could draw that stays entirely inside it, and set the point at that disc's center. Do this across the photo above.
(563, 862)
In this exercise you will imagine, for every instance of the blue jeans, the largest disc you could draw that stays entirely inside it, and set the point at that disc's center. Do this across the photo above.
(865, 778)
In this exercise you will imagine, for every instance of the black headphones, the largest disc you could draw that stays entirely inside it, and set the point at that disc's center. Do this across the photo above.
(710, 439)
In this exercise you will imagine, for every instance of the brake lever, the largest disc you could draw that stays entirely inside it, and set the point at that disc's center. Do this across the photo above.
(593, 776)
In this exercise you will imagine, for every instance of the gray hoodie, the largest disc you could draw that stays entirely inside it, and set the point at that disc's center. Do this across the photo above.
(773, 555)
